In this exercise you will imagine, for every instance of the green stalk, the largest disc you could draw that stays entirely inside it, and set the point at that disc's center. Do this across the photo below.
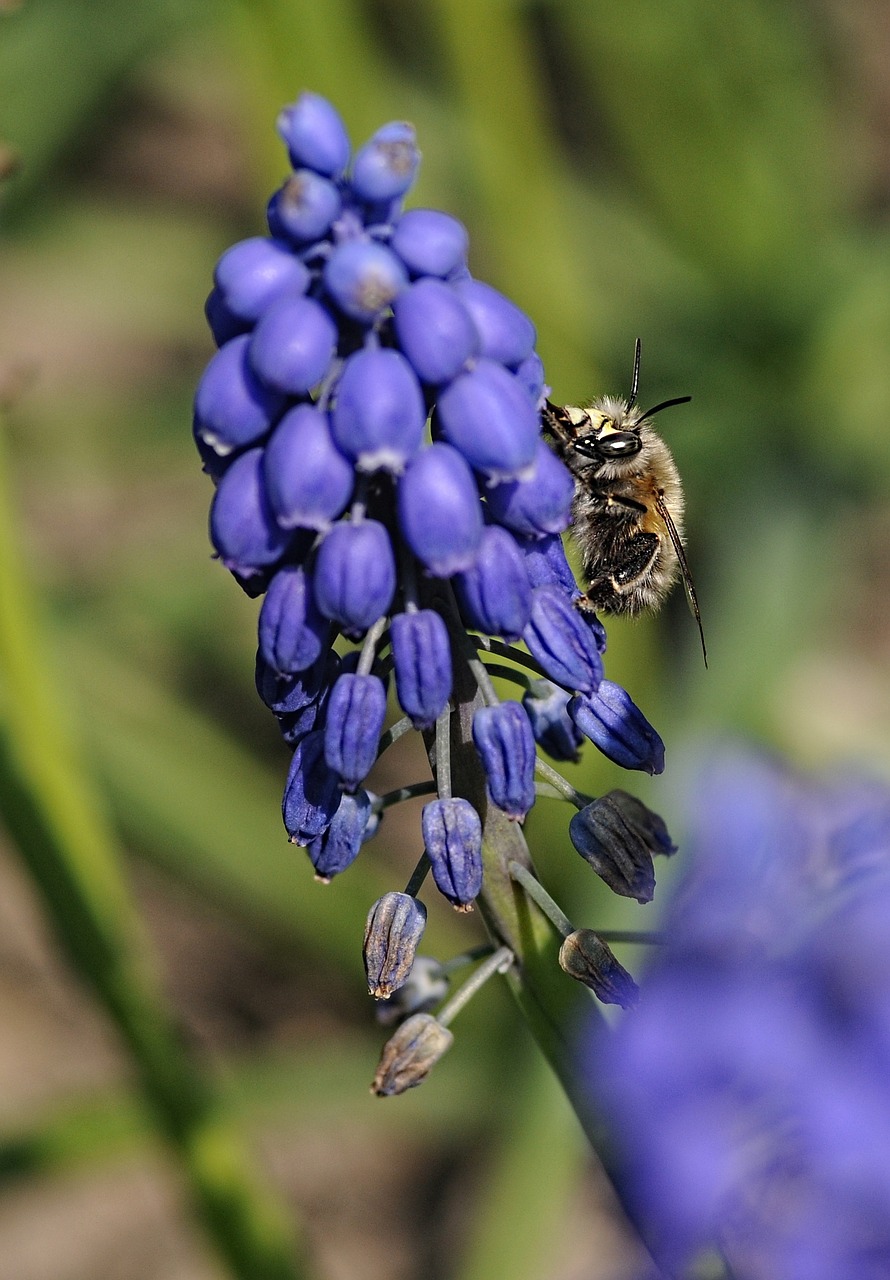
(62, 836)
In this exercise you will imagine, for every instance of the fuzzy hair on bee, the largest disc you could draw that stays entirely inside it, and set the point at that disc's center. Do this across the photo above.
(628, 507)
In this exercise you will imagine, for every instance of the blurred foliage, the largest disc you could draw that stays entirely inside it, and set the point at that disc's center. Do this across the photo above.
(710, 179)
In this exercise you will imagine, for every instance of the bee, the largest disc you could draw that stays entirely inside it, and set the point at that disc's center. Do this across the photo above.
(628, 508)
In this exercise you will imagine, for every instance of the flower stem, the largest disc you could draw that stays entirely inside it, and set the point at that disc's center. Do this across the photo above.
(498, 962)
(561, 784)
(536, 890)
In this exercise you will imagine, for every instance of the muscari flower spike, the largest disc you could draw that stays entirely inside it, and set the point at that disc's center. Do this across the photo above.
(372, 423)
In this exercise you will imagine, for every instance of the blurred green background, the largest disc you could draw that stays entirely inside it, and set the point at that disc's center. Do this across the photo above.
(712, 179)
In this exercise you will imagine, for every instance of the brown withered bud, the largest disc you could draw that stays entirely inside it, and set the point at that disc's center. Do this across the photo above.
(409, 1054)
(395, 926)
(618, 836)
(584, 955)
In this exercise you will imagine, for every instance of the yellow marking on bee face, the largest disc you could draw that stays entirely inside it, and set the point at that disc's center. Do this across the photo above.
(576, 415)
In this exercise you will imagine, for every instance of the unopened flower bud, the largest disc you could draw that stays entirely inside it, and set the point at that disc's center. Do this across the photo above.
(422, 659)
(338, 846)
(392, 934)
(242, 524)
(494, 594)
(506, 332)
(355, 715)
(612, 721)
(504, 740)
(308, 480)
(355, 574)
(293, 344)
(618, 835)
(545, 560)
(363, 278)
(452, 838)
(312, 793)
(386, 165)
(584, 956)
(545, 705)
(293, 633)
(434, 330)
(233, 408)
(379, 411)
(439, 510)
(314, 135)
(486, 414)
(539, 504)
(560, 640)
(304, 208)
(429, 242)
(255, 273)
(409, 1054)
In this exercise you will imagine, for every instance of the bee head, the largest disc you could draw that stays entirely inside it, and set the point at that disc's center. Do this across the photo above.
(613, 436)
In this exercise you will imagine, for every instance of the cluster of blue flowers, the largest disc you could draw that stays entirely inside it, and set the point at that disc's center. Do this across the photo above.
(372, 423)
(750, 1088)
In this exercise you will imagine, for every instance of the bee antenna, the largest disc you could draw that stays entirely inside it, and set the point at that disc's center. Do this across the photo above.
(635, 378)
(667, 404)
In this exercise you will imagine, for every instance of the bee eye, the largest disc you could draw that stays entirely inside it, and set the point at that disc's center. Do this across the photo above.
(619, 444)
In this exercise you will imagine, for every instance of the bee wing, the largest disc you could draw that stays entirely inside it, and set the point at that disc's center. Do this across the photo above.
(688, 584)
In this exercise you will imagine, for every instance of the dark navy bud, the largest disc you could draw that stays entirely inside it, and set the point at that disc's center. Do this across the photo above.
(494, 594)
(312, 793)
(242, 524)
(539, 504)
(506, 333)
(337, 847)
(296, 725)
(421, 654)
(452, 837)
(379, 411)
(293, 344)
(224, 324)
(232, 406)
(486, 414)
(504, 740)
(613, 723)
(618, 835)
(434, 330)
(545, 705)
(355, 715)
(430, 243)
(392, 934)
(424, 988)
(363, 278)
(304, 208)
(293, 633)
(285, 694)
(257, 272)
(308, 480)
(355, 574)
(559, 639)
(584, 956)
(411, 1052)
(386, 165)
(314, 135)
(531, 375)
(440, 514)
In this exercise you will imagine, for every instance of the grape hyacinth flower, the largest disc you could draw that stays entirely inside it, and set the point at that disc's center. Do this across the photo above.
(749, 1091)
(372, 423)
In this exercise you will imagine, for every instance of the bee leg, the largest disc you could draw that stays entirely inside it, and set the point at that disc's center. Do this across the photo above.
(629, 566)
(560, 426)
